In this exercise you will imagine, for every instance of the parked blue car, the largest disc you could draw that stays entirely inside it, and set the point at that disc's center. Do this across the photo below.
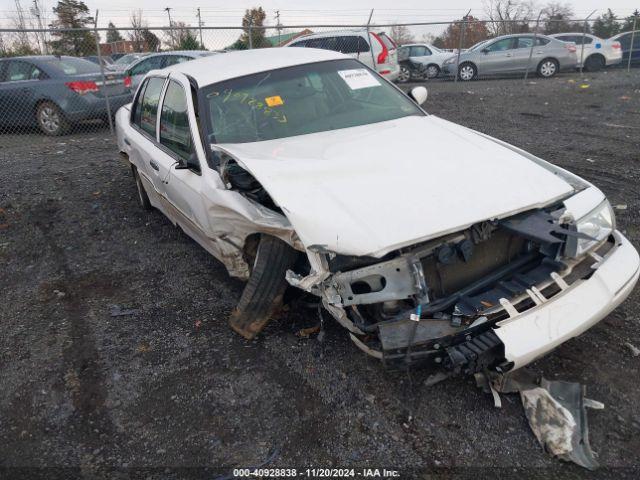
(625, 41)
(53, 92)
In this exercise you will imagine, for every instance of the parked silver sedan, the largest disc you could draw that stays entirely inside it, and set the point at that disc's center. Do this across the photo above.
(510, 54)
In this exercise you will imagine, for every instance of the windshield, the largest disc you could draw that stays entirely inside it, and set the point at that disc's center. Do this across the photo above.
(474, 47)
(299, 100)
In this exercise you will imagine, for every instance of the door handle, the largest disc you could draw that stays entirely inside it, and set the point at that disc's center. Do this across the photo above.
(154, 165)
(509, 55)
(126, 140)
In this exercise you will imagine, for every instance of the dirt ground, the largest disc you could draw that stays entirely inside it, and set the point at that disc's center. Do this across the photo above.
(115, 355)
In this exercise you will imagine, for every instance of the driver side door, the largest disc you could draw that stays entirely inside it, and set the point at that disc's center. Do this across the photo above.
(498, 57)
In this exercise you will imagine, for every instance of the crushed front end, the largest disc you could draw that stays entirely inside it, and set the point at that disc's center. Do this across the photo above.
(441, 304)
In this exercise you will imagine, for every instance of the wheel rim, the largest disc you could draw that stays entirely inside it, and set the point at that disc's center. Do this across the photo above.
(49, 119)
(547, 69)
(404, 74)
(466, 72)
(432, 71)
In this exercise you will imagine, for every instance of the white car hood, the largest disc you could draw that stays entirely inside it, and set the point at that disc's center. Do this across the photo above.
(371, 189)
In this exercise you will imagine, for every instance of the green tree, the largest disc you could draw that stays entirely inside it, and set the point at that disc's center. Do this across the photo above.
(627, 26)
(188, 41)
(606, 25)
(72, 14)
(113, 35)
(253, 17)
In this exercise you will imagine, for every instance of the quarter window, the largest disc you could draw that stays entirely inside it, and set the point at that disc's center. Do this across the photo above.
(149, 105)
(175, 133)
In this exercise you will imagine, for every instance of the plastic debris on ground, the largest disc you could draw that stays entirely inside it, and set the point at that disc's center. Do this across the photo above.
(555, 410)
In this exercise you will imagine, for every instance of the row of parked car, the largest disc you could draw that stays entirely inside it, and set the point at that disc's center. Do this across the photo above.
(501, 55)
(54, 92)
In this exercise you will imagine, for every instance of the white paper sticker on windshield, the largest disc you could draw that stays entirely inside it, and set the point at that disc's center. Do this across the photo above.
(358, 78)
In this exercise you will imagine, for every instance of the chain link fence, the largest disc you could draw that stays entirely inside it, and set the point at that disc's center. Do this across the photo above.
(59, 81)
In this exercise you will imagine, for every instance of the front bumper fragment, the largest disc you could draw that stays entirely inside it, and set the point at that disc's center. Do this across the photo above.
(535, 332)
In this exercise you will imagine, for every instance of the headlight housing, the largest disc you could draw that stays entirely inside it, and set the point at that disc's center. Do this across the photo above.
(597, 224)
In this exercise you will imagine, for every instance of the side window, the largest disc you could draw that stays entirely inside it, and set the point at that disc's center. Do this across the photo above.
(149, 105)
(3, 67)
(147, 65)
(175, 133)
(349, 44)
(302, 43)
(525, 42)
(542, 41)
(418, 51)
(501, 45)
(326, 43)
(18, 71)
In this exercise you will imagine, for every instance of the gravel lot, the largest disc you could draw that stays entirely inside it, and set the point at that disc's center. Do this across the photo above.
(115, 352)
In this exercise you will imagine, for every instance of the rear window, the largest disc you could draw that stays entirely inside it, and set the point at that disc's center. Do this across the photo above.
(72, 66)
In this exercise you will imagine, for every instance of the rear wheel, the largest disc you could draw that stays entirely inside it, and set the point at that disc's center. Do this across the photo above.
(405, 74)
(262, 296)
(142, 193)
(548, 67)
(595, 63)
(50, 119)
(467, 72)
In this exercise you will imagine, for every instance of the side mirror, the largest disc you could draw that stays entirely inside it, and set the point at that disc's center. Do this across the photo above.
(485, 50)
(419, 95)
(191, 163)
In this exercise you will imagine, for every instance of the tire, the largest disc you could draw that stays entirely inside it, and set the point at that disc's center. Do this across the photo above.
(595, 63)
(143, 198)
(432, 71)
(547, 68)
(467, 72)
(262, 296)
(405, 74)
(51, 120)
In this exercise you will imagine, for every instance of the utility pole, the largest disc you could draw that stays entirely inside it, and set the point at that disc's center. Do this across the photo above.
(168, 10)
(200, 27)
(22, 35)
(278, 26)
(41, 36)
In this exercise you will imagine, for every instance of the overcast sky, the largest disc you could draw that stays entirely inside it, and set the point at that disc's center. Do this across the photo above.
(218, 13)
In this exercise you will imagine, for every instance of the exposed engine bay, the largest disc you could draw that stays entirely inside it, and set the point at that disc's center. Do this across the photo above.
(434, 304)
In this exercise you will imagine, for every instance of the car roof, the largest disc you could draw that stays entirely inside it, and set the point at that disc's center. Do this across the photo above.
(217, 68)
(572, 33)
(637, 32)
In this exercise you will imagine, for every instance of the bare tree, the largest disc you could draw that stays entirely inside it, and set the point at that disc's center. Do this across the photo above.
(136, 35)
(401, 34)
(508, 16)
(556, 17)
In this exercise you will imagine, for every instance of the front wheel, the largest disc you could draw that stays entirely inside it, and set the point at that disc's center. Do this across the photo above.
(467, 72)
(50, 119)
(262, 296)
(433, 71)
(547, 68)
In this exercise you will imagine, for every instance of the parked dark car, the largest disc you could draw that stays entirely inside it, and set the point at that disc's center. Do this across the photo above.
(625, 41)
(53, 93)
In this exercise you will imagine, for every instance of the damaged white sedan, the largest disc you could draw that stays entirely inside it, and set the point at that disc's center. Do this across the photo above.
(431, 243)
